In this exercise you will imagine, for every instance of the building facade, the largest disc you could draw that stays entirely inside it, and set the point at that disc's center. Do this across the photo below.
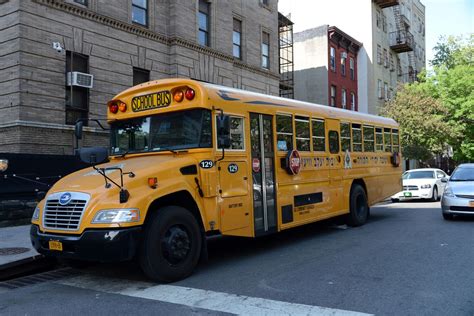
(326, 67)
(393, 37)
(120, 43)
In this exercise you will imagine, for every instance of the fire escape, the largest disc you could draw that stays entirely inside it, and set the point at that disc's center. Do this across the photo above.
(285, 32)
(401, 40)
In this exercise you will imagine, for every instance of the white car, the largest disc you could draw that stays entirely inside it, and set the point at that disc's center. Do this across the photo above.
(426, 183)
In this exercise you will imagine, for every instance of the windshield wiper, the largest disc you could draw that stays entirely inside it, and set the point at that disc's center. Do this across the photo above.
(174, 151)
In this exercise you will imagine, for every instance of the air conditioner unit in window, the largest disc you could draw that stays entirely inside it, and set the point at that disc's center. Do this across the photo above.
(80, 79)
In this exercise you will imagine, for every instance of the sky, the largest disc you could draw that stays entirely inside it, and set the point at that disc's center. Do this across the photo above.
(447, 17)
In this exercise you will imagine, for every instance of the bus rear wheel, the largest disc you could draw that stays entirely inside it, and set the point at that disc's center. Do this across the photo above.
(171, 245)
(359, 209)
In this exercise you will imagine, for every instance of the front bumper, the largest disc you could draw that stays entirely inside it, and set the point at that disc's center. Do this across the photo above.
(456, 205)
(415, 194)
(103, 245)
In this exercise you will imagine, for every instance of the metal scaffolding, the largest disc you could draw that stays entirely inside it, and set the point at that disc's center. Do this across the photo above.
(285, 32)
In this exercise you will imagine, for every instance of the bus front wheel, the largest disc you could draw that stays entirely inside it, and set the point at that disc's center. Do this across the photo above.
(171, 245)
(359, 209)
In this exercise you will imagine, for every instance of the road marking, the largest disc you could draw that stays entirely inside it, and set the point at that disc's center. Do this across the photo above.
(197, 298)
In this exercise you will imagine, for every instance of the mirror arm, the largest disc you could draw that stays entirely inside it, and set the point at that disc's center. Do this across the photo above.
(223, 155)
(101, 171)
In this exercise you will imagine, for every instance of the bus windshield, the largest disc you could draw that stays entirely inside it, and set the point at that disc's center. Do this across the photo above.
(162, 132)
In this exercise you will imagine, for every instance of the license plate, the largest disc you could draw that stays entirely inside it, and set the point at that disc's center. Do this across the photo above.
(55, 245)
(407, 194)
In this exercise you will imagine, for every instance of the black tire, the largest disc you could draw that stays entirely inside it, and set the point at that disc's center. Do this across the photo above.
(171, 245)
(448, 217)
(359, 209)
(434, 196)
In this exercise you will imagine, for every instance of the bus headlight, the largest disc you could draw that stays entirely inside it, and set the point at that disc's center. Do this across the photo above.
(36, 214)
(117, 216)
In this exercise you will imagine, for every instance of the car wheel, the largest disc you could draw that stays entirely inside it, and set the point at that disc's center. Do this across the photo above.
(448, 217)
(434, 196)
(359, 209)
(171, 246)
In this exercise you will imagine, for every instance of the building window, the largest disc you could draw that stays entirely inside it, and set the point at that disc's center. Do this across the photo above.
(77, 98)
(319, 141)
(302, 133)
(384, 23)
(265, 50)
(353, 101)
(392, 63)
(385, 91)
(379, 54)
(332, 56)
(284, 128)
(343, 64)
(378, 18)
(140, 76)
(351, 68)
(83, 2)
(265, 2)
(333, 96)
(385, 58)
(379, 88)
(140, 12)
(237, 39)
(203, 20)
(343, 98)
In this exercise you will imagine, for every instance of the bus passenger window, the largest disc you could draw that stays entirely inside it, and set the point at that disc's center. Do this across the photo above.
(345, 137)
(396, 140)
(368, 138)
(319, 140)
(236, 133)
(302, 133)
(284, 128)
(333, 142)
(387, 136)
(356, 137)
(378, 139)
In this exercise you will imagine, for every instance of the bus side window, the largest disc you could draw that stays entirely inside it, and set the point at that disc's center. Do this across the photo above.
(302, 133)
(378, 139)
(356, 137)
(333, 142)
(368, 138)
(345, 137)
(284, 129)
(387, 139)
(396, 140)
(319, 140)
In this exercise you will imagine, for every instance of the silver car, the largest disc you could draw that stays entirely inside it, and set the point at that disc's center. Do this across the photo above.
(458, 197)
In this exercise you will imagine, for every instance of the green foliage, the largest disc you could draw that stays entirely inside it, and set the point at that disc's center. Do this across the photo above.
(439, 109)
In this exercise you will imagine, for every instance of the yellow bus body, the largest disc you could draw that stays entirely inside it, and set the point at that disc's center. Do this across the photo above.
(224, 194)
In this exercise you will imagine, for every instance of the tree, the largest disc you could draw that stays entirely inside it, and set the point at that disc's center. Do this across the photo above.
(424, 130)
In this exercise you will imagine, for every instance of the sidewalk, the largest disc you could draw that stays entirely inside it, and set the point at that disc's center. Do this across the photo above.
(16, 250)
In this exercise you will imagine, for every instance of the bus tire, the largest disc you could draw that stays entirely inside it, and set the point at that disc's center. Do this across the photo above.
(171, 245)
(359, 209)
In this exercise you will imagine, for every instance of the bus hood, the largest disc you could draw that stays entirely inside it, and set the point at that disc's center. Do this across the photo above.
(143, 167)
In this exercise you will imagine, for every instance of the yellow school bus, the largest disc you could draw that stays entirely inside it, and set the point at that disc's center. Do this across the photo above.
(189, 159)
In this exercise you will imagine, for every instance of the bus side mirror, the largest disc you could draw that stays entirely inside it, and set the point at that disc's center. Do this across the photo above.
(93, 155)
(223, 131)
(78, 129)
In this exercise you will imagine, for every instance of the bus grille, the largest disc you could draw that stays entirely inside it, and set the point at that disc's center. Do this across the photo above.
(64, 217)
(410, 187)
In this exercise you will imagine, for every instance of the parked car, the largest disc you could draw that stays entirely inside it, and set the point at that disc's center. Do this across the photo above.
(458, 197)
(425, 183)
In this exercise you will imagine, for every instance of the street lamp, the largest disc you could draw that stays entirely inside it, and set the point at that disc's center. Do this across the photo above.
(3, 165)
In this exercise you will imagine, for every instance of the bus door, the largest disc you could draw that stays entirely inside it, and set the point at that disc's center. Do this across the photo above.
(335, 164)
(263, 173)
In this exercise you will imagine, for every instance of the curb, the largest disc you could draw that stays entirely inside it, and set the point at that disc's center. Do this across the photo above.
(25, 266)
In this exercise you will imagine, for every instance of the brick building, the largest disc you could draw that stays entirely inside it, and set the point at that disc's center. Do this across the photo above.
(326, 67)
(120, 43)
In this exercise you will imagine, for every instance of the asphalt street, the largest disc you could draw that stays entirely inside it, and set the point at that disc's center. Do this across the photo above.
(406, 260)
